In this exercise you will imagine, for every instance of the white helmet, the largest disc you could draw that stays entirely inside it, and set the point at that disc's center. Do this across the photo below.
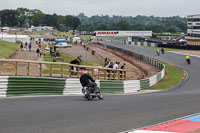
(85, 72)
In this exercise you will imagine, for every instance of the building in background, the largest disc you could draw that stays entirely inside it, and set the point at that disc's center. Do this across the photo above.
(193, 23)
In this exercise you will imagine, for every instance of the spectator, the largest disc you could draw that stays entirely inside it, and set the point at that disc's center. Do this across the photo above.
(29, 46)
(21, 46)
(51, 50)
(26, 44)
(57, 54)
(73, 68)
(107, 63)
(79, 59)
(116, 66)
(109, 71)
(37, 52)
(123, 66)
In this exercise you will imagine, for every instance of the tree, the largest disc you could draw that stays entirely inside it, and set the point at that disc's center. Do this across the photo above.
(71, 22)
(123, 25)
(9, 18)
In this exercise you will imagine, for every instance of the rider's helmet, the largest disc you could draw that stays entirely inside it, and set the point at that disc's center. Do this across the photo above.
(85, 72)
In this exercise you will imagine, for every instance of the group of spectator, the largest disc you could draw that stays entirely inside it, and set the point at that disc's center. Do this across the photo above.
(109, 64)
(25, 46)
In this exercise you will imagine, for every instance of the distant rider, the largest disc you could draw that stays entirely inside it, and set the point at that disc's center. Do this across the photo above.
(187, 57)
(87, 81)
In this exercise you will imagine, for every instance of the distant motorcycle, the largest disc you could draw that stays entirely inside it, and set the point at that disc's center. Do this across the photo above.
(188, 61)
(90, 94)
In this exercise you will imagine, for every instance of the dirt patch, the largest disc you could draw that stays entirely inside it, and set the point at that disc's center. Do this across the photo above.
(136, 69)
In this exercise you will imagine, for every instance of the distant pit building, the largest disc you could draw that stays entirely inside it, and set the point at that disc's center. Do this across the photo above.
(193, 23)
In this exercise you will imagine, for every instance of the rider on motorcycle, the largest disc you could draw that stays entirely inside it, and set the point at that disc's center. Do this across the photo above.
(187, 57)
(87, 81)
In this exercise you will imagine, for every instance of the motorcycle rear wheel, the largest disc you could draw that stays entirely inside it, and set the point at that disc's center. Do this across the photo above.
(88, 96)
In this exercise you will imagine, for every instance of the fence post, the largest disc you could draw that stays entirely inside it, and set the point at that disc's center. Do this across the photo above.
(16, 68)
(118, 74)
(28, 68)
(70, 69)
(40, 69)
(109, 74)
(61, 70)
(50, 70)
(104, 74)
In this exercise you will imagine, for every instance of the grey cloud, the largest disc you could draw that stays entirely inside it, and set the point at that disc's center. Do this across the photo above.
(110, 7)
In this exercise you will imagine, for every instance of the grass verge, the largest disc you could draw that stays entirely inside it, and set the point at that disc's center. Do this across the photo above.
(7, 49)
(173, 76)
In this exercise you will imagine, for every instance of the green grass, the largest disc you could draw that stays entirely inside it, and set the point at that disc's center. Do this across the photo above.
(85, 37)
(166, 49)
(173, 76)
(7, 49)
(62, 34)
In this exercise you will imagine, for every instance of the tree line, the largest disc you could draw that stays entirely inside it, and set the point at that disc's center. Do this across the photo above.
(173, 24)
(23, 17)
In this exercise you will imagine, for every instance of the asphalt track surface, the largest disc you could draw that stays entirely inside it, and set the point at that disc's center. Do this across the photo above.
(66, 114)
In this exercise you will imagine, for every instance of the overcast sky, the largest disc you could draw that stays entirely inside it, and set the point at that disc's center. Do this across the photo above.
(109, 7)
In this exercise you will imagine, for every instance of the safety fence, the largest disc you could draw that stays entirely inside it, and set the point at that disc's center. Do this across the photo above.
(135, 43)
(13, 67)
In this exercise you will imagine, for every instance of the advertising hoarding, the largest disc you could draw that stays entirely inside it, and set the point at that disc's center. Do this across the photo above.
(124, 33)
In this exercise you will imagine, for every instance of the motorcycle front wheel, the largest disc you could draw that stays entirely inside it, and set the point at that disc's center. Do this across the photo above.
(100, 95)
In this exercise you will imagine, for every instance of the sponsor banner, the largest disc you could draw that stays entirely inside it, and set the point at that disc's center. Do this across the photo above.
(123, 33)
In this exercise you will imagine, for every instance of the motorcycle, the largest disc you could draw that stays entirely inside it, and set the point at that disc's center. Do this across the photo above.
(188, 61)
(90, 94)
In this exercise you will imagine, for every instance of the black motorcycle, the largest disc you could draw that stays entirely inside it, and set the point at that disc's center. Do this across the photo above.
(90, 93)
(188, 61)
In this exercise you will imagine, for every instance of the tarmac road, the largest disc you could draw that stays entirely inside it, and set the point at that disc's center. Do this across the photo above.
(111, 115)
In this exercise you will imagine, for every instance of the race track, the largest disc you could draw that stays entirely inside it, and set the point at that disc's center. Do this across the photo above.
(113, 114)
